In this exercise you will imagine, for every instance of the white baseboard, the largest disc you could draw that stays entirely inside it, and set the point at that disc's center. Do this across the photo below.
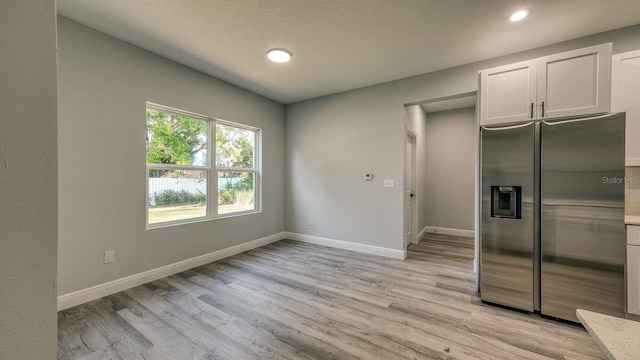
(421, 234)
(367, 249)
(95, 292)
(448, 231)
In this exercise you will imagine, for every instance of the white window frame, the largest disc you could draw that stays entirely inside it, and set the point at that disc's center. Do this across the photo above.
(211, 169)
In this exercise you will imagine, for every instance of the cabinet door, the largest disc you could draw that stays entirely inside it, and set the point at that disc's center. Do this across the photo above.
(633, 270)
(507, 93)
(633, 280)
(575, 83)
(625, 87)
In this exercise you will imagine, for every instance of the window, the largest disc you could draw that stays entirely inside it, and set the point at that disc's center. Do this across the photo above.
(192, 177)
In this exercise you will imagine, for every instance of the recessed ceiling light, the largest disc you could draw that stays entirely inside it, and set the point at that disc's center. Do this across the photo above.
(519, 15)
(279, 55)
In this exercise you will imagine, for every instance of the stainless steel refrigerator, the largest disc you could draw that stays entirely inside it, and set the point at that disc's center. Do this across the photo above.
(552, 229)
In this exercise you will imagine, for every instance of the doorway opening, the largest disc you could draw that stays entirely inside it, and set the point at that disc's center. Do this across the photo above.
(446, 161)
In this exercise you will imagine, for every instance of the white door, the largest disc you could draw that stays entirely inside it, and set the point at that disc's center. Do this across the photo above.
(409, 191)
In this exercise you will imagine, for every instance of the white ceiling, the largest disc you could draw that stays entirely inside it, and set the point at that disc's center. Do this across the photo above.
(340, 45)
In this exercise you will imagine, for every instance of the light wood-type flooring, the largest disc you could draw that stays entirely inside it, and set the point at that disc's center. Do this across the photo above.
(292, 300)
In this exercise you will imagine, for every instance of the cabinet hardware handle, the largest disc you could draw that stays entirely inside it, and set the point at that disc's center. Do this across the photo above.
(543, 109)
(531, 110)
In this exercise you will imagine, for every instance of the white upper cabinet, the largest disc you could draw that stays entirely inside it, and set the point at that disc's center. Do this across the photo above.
(575, 83)
(569, 84)
(625, 87)
(508, 93)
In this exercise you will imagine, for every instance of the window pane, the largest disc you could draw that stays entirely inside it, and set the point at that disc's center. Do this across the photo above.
(177, 195)
(175, 139)
(234, 147)
(235, 192)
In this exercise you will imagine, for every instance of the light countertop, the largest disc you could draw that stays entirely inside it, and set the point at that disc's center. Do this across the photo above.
(618, 338)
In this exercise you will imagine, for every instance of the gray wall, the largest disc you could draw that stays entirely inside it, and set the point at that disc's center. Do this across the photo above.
(28, 178)
(450, 161)
(333, 139)
(103, 86)
(331, 142)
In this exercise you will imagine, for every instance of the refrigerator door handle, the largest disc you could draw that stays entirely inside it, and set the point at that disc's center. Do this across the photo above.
(565, 121)
(507, 127)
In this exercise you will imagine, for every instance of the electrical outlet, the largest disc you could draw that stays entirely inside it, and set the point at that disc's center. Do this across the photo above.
(109, 256)
(310, 222)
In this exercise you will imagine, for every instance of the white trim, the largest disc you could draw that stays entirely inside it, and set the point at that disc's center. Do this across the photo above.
(632, 162)
(448, 231)
(629, 55)
(413, 185)
(95, 292)
(363, 248)
(421, 234)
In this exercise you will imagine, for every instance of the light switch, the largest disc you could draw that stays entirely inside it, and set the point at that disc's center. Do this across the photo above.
(368, 176)
(389, 183)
